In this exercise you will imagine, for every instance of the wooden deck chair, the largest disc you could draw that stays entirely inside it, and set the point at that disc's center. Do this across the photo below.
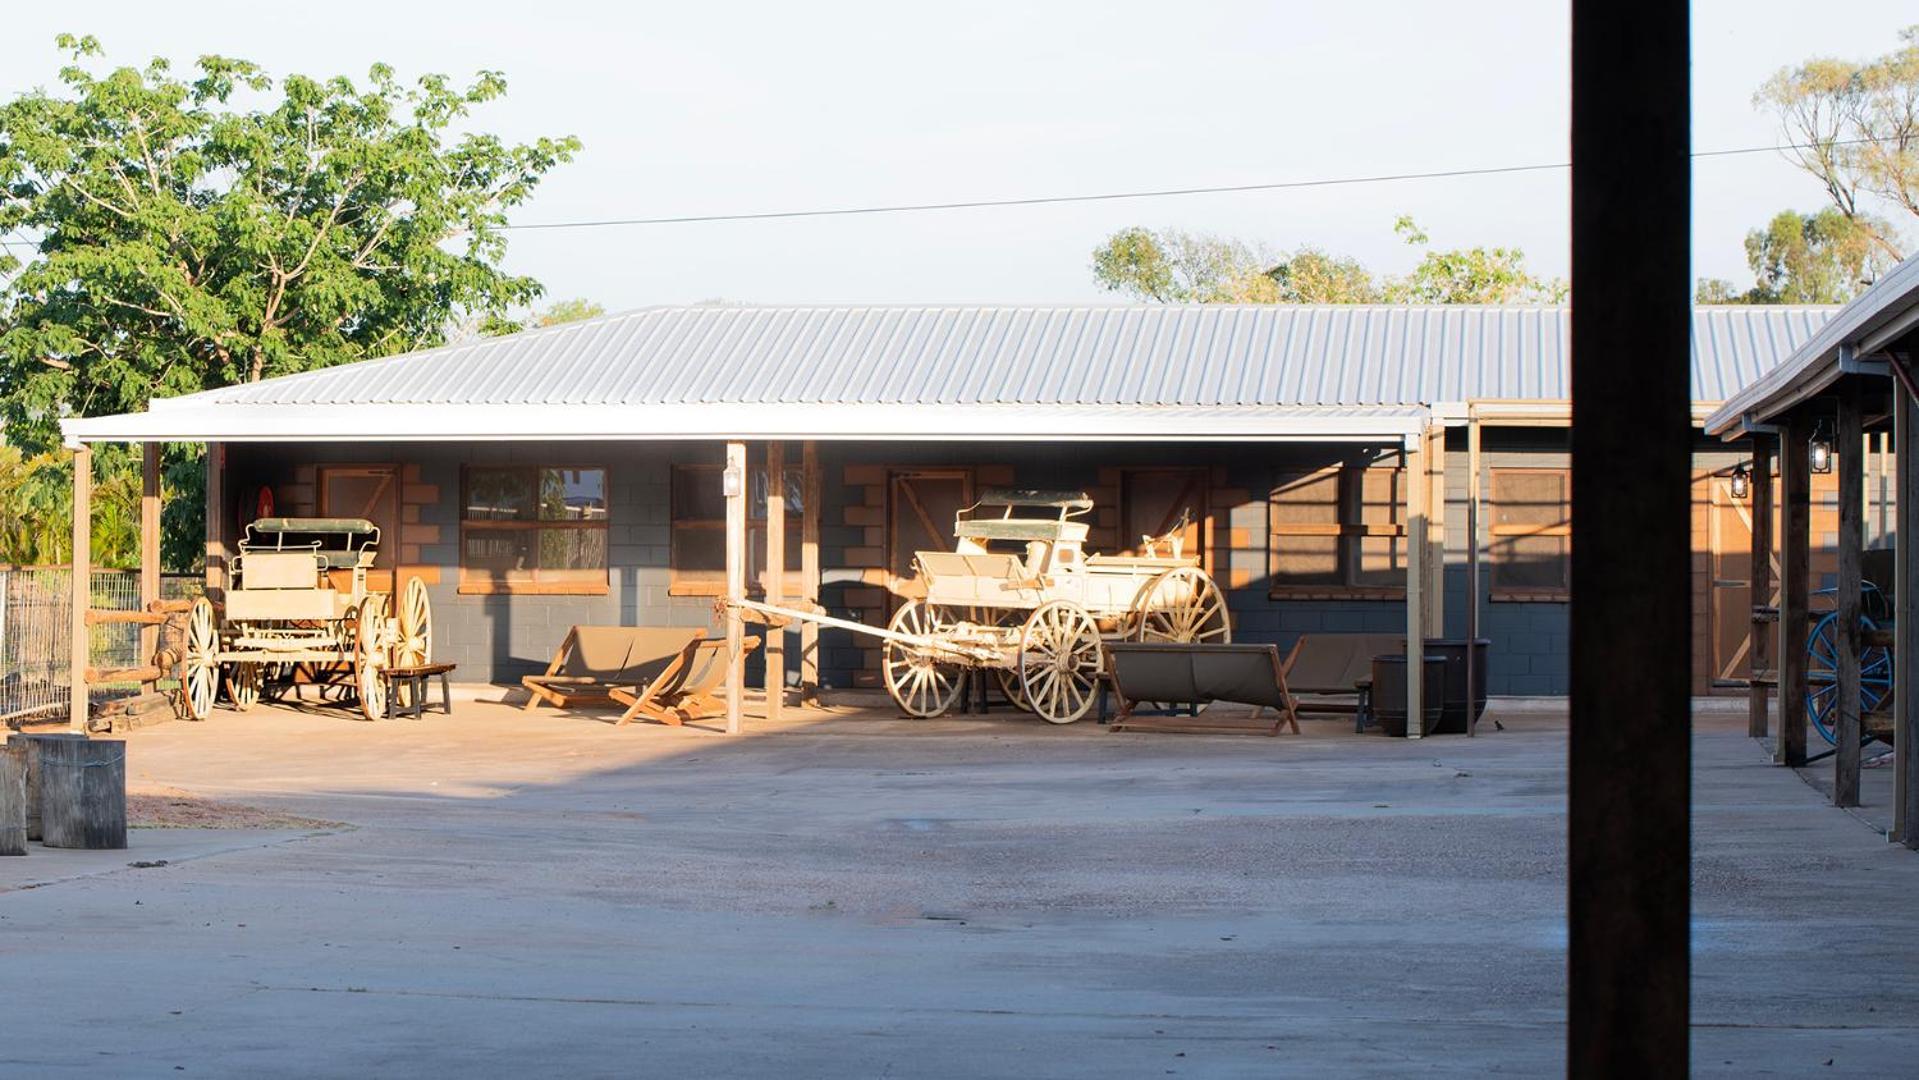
(1180, 673)
(592, 660)
(1329, 665)
(682, 692)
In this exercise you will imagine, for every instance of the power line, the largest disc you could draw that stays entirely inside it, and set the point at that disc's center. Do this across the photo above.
(1111, 196)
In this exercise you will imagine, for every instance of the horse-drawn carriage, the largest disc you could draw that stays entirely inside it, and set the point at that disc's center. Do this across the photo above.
(1875, 652)
(1020, 597)
(284, 621)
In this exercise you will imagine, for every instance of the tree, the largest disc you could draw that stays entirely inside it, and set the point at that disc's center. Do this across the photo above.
(1855, 127)
(1478, 275)
(1173, 267)
(1820, 258)
(566, 311)
(165, 235)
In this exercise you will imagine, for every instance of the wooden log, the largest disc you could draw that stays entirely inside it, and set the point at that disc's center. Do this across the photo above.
(147, 673)
(83, 794)
(36, 745)
(140, 703)
(171, 607)
(96, 617)
(13, 798)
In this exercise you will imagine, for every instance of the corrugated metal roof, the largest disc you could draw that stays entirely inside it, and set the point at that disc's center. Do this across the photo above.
(1155, 355)
(1888, 308)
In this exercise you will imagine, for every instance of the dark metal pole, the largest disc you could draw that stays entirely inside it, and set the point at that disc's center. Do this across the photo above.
(1632, 436)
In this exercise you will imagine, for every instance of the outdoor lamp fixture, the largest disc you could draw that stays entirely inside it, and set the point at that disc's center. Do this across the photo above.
(731, 483)
(1741, 482)
(1819, 450)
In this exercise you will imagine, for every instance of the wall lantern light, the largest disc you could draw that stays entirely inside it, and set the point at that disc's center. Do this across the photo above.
(731, 484)
(1741, 482)
(1819, 450)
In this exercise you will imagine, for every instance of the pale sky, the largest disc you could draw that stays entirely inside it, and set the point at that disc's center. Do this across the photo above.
(745, 107)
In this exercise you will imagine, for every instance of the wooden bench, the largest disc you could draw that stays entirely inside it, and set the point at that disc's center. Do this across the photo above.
(593, 660)
(414, 679)
(1178, 673)
(1333, 665)
(683, 690)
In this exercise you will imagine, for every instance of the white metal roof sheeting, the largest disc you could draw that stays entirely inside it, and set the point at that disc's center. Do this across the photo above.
(1888, 308)
(1346, 355)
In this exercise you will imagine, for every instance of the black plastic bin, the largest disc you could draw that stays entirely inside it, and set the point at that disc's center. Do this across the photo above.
(1389, 693)
(1453, 718)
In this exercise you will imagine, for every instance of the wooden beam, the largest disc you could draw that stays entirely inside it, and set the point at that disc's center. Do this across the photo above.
(775, 575)
(1417, 494)
(1851, 468)
(735, 479)
(810, 570)
(149, 541)
(216, 521)
(1630, 753)
(1795, 590)
(1436, 532)
(81, 589)
(1905, 592)
(1472, 574)
(1759, 651)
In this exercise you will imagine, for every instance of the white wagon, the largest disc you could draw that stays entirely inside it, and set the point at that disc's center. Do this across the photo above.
(1019, 596)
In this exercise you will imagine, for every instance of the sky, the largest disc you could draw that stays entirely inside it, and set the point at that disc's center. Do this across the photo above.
(746, 107)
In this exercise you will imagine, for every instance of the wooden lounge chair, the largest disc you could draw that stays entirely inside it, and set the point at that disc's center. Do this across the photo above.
(593, 660)
(1196, 674)
(683, 691)
(1332, 665)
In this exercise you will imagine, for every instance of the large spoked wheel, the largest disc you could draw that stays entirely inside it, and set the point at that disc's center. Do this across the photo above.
(370, 656)
(922, 684)
(1061, 661)
(1822, 675)
(1182, 605)
(243, 685)
(413, 645)
(200, 662)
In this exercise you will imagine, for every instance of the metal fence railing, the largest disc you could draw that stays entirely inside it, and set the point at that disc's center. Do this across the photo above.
(34, 634)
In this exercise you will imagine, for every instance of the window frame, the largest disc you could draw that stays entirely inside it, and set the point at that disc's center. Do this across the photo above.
(491, 586)
(1350, 529)
(1495, 531)
(697, 582)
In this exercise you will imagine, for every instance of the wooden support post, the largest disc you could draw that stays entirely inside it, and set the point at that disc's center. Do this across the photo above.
(83, 794)
(1759, 651)
(82, 587)
(1436, 532)
(149, 542)
(216, 518)
(1629, 760)
(1417, 494)
(775, 576)
(736, 487)
(1852, 512)
(810, 571)
(13, 797)
(1473, 689)
(1905, 649)
(1795, 590)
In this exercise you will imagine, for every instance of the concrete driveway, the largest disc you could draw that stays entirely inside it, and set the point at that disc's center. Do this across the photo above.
(542, 894)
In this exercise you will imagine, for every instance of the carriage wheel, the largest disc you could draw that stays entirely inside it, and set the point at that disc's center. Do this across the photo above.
(1010, 686)
(1061, 661)
(370, 656)
(921, 684)
(413, 645)
(200, 662)
(1182, 605)
(243, 685)
(1006, 678)
(1822, 675)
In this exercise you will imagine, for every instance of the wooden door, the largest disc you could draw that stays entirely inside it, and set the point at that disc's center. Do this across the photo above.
(1731, 558)
(371, 492)
(921, 505)
(1152, 502)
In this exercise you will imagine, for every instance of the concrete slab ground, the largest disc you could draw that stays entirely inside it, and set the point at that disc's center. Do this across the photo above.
(840, 895)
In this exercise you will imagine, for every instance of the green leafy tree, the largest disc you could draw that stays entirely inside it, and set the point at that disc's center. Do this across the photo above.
(1854, 126)
(1819, 258)
(167, 234)
(566, 311)
(1478, 275)
(1173, 267)
(36, 514)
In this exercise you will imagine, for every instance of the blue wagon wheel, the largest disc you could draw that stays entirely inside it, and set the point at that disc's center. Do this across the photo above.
(1822, 674)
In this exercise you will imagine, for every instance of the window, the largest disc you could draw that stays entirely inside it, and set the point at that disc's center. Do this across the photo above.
(365, 491)
(533, 529)
(1338, 530)
(1531, 534)
(698, 554)
(1154, 502)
